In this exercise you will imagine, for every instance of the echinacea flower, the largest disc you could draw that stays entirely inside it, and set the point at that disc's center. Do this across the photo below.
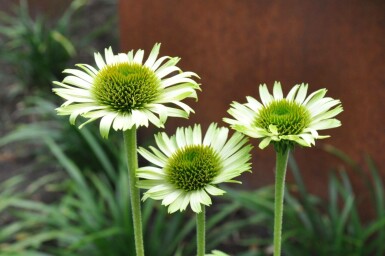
(123, 91)
(285, 122)
(189, 166)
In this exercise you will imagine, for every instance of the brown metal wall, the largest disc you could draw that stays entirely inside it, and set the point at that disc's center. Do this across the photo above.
(234, 45)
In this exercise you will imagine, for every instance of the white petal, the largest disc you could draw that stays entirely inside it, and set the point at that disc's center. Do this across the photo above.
(219, 139)
(277, 91)
(159, 139)
(204, 197)
(253, 104)
(214, 190)
(180, 137)
(315, 96)
(233, 145)
(153, 55)
(139, 118)
(179, 203)
(151, 157)
(74, 80)
(301, 95)
(166, 71)
(80, 74)
(105, 124)
(138, 58)
(265, 95)
(156, 65)
(326, 124)
(290, 96)
(122, 57)
(171, 197)
(195, 201)
(110, 58)
(151, 173)
(88, 68)
(320, 108)
(264, 143)
(178, 79)
(197, 135)
(210, 134)
(99, 60)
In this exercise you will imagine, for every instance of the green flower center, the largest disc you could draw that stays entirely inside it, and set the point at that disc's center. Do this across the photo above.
(289, 117)
(126, 86)
(193, 167)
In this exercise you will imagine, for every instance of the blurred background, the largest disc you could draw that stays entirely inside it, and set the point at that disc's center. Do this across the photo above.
(67, 185)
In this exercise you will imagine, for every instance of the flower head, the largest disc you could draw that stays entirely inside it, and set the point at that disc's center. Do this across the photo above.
(189, 167)
(125, 92)
(285, 121)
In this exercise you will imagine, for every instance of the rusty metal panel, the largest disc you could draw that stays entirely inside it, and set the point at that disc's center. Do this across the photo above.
(234, 45)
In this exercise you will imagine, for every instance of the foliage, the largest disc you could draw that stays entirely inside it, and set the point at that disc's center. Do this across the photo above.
(314, 226)
(76, 143)
(93, 211)
(36, 50)
(93, 218)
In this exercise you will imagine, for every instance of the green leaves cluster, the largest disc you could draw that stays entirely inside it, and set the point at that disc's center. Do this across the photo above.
(35, 50)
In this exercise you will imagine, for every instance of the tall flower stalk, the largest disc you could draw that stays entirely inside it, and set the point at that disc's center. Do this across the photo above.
(189, 167)
(284, 122)
(125, 93)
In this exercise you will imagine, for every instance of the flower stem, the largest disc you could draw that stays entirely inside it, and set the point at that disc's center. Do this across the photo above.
(280, 173)
(201, 239)
(132, 162)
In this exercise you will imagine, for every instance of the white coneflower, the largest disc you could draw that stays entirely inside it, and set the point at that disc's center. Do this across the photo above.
(123, 91)
(189, 167)
(285, 121)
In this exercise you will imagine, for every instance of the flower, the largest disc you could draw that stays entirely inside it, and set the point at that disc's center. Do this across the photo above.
(123, 91)
(285, 121)
(189, 168)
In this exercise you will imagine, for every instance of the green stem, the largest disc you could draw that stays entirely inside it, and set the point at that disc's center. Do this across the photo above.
(280, 173)
(132, 162)
(201, 240)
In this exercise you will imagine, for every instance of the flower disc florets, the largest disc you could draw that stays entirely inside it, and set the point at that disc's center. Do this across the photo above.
(193, 167)
(285, 122)
(289, 117)
(126, 86)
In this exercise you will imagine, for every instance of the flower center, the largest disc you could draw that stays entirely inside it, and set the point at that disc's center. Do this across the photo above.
(126, 86)
(289, 117)
(193, 167)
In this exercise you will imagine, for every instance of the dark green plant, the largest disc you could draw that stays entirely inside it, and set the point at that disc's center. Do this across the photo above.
(92, 218)
(318, 227)
(76, 143)
(36, 50)
(92, 215)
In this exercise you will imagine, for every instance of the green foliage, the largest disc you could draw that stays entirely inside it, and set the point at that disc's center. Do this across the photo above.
(36, 50)
(93, 218)
(83, 146)
(313, 226)
(92, 215)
